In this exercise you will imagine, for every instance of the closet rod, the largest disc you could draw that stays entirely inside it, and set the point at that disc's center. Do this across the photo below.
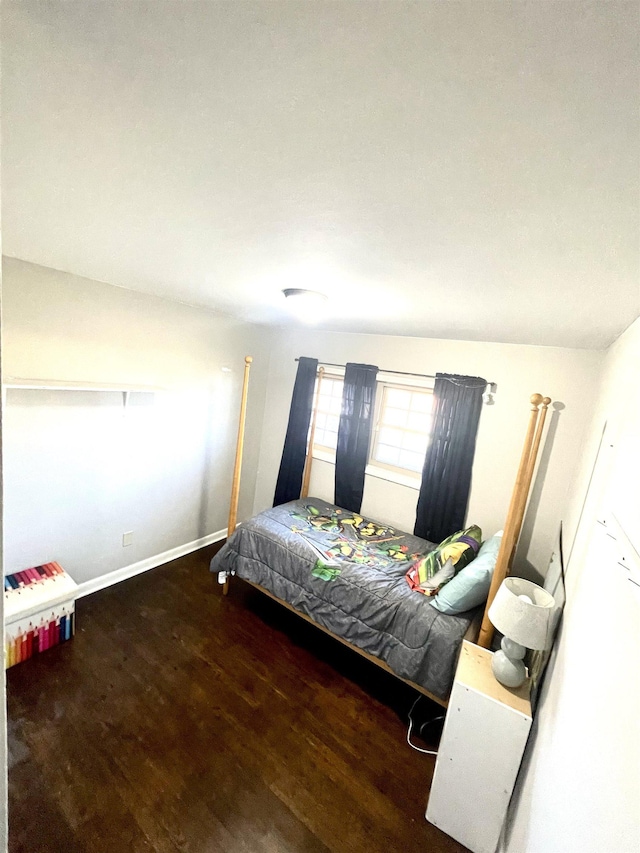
(395, 372)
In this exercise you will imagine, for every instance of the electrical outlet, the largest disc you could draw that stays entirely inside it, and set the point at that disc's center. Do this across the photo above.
(127, 538)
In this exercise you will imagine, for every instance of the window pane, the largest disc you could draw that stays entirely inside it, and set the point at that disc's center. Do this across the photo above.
(421, 402)
(397, 398)
(328, 412)
(419, 421)
(414, 442)
(394, 417)
(388, 435)
(332, 423)
(387, 455)
(412, 461)
(325, 438)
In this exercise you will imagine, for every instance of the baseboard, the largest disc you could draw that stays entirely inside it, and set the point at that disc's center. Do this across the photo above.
(126, 572)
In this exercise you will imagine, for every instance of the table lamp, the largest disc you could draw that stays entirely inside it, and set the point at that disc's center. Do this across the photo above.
(523, 612)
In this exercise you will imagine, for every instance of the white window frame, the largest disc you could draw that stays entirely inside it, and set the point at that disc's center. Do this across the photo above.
(323, 451)
(383, 469)
(392, 474)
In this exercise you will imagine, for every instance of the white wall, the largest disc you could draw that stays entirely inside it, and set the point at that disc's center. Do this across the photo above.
(80, 468)
(3, 686)
(579, 789)
(569, 377)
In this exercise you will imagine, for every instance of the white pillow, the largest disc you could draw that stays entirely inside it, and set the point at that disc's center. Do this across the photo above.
(470, 587)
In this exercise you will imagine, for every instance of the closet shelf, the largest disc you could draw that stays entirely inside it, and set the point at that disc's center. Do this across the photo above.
(73, 385)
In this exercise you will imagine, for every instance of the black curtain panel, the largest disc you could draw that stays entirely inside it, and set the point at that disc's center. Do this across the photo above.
(295, 444)
(446, 476)
(354, 431)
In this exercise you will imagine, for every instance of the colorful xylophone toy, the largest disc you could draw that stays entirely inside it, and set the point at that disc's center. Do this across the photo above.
(39, 611)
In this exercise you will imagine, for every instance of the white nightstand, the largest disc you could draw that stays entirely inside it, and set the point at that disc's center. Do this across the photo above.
(482, 742)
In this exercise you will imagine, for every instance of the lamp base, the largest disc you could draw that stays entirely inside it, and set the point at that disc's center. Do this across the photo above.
(507, 665)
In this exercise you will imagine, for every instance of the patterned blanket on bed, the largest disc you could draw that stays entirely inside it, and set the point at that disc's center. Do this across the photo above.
(340, 536)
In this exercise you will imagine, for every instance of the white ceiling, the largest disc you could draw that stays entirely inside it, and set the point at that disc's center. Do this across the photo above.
(444, 169)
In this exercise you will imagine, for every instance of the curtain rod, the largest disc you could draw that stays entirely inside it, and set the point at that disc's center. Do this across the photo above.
(395, 372)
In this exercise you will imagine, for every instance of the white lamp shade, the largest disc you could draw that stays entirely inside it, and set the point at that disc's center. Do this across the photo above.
(527, 621)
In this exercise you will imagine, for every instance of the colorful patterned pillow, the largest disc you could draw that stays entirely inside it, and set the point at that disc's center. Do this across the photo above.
(431, 572)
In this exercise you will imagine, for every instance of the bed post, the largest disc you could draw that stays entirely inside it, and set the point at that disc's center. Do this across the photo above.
(511, 529)
(235, 486)
(309, 460)
(533, 456)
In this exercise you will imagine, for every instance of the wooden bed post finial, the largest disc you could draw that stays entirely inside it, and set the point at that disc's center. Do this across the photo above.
(536, 399)
(237, 469)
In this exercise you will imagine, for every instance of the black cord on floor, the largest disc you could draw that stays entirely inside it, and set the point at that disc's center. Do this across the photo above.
(426, 723)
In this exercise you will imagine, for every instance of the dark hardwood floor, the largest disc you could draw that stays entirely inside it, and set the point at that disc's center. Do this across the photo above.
(179, 720)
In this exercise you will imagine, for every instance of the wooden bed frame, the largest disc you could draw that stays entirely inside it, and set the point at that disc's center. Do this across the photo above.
(482, 634)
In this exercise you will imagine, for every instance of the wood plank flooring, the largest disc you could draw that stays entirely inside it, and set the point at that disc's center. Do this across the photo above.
(179, 720)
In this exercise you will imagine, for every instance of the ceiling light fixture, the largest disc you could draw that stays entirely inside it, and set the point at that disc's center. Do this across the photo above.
(307, 305)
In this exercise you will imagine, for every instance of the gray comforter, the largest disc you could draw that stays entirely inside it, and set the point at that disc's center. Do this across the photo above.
(347, 574)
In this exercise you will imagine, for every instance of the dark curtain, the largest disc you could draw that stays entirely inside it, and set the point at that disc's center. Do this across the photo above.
(354, 431)
(295, 444)
(446, 476)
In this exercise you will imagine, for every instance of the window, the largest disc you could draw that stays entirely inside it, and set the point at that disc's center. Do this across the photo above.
(402, 427)
(400, 434)
(328, 417)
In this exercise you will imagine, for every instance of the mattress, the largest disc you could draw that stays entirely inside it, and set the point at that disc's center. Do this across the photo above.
(347, 573)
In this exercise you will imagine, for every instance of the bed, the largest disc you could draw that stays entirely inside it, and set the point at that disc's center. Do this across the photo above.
(346, 573)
